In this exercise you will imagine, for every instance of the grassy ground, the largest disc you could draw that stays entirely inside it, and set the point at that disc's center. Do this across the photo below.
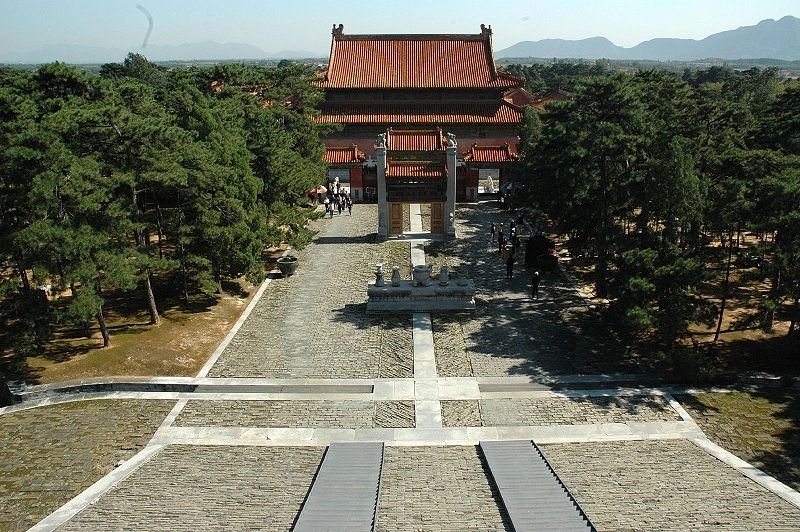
(762, 428)
(179, 346)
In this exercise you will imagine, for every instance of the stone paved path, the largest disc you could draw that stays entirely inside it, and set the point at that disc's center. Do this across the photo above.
(665, 485)
(244, 455)
(49, 455)
(313, 324)
(510, 334)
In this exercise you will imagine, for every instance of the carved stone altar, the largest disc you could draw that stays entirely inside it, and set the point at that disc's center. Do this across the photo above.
(426, 296)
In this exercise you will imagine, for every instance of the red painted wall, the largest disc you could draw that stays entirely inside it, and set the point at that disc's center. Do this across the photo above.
(472, 177)
(356, 177)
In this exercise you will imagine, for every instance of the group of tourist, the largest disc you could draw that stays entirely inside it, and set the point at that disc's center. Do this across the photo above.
(336, 202)
(507, 246)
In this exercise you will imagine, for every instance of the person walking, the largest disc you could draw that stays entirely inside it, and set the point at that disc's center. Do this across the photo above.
(493, 231)
(339, 203)
(349, 205)
(535, 285)
(510, 266)
(327, 203)
(501, 239)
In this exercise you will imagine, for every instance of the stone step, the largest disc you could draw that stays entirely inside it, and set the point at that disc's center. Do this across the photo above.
(532, 493)
(344, 495)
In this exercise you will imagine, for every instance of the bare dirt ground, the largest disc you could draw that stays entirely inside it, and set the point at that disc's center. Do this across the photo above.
(179, 346)
(743, 344)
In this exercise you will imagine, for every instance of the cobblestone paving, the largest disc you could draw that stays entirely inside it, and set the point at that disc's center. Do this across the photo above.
(760, 428)
(314, 323)
(437, 489)
(665, 485)
(208, 488)
(556, 411)
(312, 414)
(50, 454)
(394, 414)
(425, 216)
(510, 334)
(461, 414)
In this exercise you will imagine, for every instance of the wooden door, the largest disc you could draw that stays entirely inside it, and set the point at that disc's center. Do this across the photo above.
(437, 217)
(395, 218)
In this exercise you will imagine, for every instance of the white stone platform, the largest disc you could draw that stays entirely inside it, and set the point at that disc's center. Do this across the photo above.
(454, 296)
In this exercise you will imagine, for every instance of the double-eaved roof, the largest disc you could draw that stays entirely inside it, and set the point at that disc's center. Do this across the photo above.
(475, 112)
(413, 62)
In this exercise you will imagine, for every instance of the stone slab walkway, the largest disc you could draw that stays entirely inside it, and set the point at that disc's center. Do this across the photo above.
(240, 447)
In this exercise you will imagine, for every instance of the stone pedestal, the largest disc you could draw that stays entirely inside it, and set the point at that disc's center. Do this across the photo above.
(406, 297)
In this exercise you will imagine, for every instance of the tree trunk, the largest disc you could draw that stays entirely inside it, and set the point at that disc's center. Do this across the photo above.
(738, 235)
(769, 316)
(151, 300)
(795, 315)
(160, 232)
(725, 287)
(23, 275)
(142, 242)
(218, 278)
(85, 325)
(184, 278)
(601, 283)
(102, 321)
(103, 329)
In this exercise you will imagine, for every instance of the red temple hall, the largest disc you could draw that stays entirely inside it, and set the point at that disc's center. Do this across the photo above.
(418, 91)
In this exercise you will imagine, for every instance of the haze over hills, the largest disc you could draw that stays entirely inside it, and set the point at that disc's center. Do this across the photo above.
(769, 39)
(209, 50)
(772, 39)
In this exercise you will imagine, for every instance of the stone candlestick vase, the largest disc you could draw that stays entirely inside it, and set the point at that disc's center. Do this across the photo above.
(444, 275)
(422, 274)
(396, 276)
(379, 275)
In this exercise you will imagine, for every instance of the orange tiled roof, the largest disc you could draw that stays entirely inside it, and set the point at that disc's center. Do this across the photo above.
(519, 96)
(410, 140)
(344, 154)
(490, 154)
(557, 95)
(413, 61)
(484, 112)
(421, 169)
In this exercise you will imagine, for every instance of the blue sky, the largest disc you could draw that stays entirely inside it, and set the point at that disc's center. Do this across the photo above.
(275, 25)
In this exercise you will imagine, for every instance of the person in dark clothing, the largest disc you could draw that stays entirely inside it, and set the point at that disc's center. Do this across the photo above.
(510, 266)
(493, 231)
(535, 285)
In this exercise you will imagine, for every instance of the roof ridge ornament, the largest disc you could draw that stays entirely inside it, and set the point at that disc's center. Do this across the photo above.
(340, 30)
(486, 31)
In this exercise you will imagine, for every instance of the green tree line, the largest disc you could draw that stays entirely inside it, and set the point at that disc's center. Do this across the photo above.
(643, 171)
(107, 180)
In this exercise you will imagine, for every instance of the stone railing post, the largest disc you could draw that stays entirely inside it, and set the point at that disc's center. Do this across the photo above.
(450, 203)
(383, 205)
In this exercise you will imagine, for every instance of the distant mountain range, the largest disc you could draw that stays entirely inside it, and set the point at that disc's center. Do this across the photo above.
(770, 39)
(209, 50)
